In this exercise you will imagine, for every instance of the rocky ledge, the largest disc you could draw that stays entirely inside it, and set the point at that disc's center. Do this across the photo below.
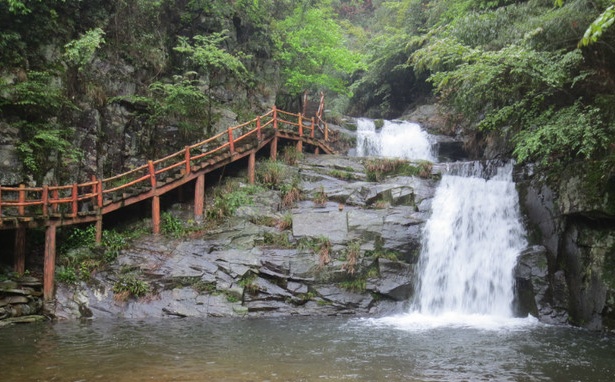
(350, 246)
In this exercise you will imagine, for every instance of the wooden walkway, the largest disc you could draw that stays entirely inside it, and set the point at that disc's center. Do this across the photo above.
(54, 206)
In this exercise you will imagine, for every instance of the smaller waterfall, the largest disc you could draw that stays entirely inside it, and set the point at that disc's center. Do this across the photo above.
(397, 139)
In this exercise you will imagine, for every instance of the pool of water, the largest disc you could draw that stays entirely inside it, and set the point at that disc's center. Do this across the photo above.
(302, 349)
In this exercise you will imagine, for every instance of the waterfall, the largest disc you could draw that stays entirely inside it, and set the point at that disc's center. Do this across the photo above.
(395, 139)
(471, 243)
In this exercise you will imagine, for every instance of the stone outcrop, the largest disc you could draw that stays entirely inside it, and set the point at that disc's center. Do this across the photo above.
(232, 270)
(573, 220)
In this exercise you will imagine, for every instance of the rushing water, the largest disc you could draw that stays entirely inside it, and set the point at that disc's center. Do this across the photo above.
(298, 349)
(395, 139)
(470, 245)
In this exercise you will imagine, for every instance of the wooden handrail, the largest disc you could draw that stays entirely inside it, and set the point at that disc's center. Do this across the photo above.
(49, 198)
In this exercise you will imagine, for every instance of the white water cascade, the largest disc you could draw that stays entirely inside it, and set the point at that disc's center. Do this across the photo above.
(470, 246)
(471, 243)
(397, 139)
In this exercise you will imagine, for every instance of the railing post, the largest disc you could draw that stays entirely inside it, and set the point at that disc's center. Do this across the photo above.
(275, 117)
(74, 199)
(252, 167)
(99, 229)
(259, 134)
(49, 262)
(155, 199)
(326, 132)
(22, 199)
(20, 249)
(313, 126)
(230, 140)
(187, 158)
(55, 194)
(156, 214)
(300, 125)
(94, 192)
(152, 174)
(99, 195)
(45, 200)
(199, 198)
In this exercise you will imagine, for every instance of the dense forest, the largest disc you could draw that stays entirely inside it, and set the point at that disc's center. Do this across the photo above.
(88, 85)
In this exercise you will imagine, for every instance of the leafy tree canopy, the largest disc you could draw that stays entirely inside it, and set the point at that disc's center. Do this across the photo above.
(311, 48)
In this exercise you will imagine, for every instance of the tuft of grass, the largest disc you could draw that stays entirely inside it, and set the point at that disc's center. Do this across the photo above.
(228, 198)
(320, 245)
(358, 284)
(378, 168)
(320, 197)
(343, 175)
(277, 240)
(247, 283)
(285, 222)
(353, 251)
(172, 226)
(271, 174)
(129, 285)
(291, 193)
(291, 155)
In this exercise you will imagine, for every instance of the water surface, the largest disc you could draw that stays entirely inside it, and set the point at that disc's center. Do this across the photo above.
(301, 349)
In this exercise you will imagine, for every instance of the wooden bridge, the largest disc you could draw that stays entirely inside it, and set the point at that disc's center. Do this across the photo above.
(55, 206)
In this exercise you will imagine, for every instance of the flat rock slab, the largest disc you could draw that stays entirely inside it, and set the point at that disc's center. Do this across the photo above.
(331, 224)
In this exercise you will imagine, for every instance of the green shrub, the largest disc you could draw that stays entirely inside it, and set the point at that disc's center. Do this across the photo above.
(277, 240)
(229, 198)
(291, 155)
(66, 274)
(291, 193)
(320, 197)
(129, 285)
(172, 226)
(271, 174)
(353, 251)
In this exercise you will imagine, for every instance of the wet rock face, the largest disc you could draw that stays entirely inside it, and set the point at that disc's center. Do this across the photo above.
(574, 224)
(21, 300)
(236, 270)
(535, 293)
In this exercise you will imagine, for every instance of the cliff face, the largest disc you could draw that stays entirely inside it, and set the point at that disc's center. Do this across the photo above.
(574, 219)
(109, 109)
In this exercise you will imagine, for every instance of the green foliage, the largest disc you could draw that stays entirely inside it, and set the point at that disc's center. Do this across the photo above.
(291, 193)
(248, 284)
(277, 240)
(229, 198)
(378, 168)
(112, 243)
(353, 252)
(320, 245)
(80, 256)
(67, 275)
(206, 54)
(554, 136)
(37, 102)
(311, 48)
(172, 226)
(271, 174)
(81, 51)
(597, 27)
(291, 155)
(129, 285)
(320, 197)
(286, 222)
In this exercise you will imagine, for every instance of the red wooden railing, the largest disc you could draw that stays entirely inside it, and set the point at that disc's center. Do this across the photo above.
(90, 198)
